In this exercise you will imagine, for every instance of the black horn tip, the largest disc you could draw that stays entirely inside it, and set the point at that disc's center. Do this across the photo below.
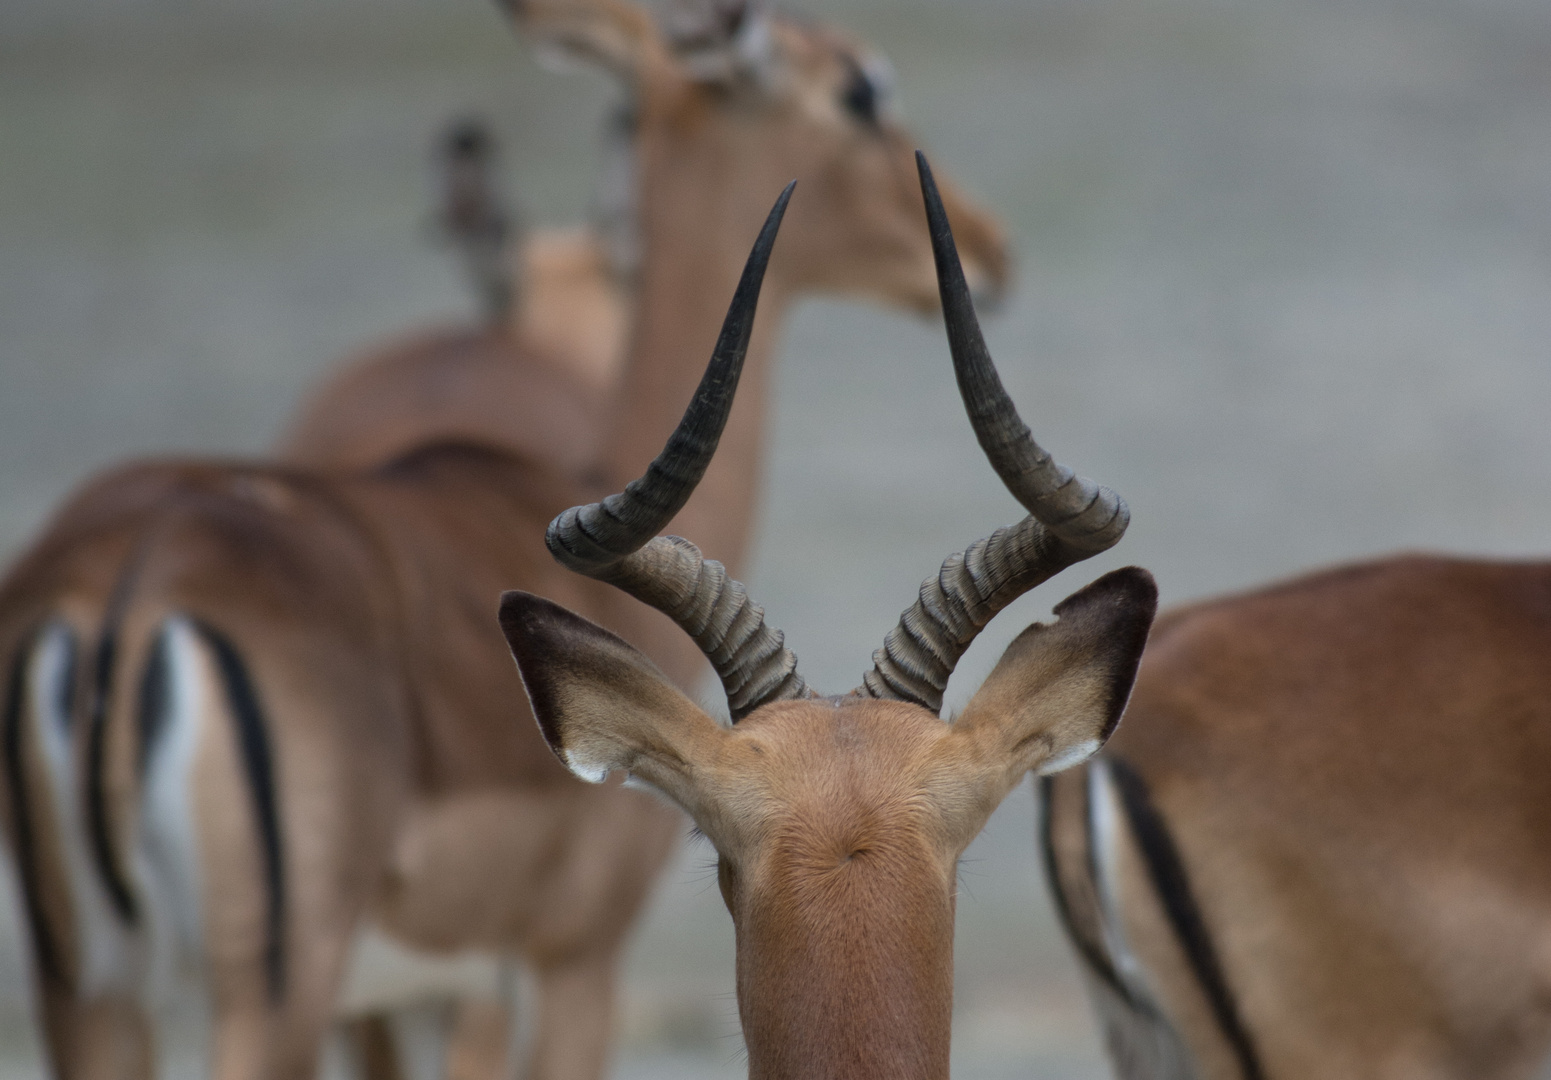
(933, 197)
(721, 375)
(950, 273)
(747, 294)
(593, 537)
(777, 212)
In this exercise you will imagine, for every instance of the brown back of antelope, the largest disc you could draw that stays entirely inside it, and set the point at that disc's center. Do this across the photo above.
(1319, 846)
(538, 382)
(255, 750)
(346, 748)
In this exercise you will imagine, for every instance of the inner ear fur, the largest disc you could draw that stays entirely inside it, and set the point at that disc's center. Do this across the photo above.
(601, 704)
(1058, 691)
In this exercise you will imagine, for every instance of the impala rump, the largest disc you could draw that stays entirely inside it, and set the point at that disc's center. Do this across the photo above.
(141, 774)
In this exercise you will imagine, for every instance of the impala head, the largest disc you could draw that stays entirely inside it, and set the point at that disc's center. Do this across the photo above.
(839, 821)
(728, 98)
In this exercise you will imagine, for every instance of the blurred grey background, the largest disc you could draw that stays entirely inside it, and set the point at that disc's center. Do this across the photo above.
(1284, 281)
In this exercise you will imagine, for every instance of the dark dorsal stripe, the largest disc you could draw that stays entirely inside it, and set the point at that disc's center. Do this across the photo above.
(258, 764)
(1092, 952)
(1167, 870)
(43, 943)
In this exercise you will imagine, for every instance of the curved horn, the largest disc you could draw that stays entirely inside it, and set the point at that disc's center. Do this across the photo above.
(1070, 518)
(616, 540)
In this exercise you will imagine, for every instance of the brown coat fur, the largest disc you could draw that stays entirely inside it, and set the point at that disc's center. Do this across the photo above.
(1352, 766)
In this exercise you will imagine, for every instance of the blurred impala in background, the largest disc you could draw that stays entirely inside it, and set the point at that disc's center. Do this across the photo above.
(1256, 245)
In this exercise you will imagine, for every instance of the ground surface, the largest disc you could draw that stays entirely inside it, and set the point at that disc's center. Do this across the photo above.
(1284, 281)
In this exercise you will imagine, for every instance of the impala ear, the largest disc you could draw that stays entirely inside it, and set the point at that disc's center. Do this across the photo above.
(721, 41)
(1058, 691)
(617, 35)
(601, 704)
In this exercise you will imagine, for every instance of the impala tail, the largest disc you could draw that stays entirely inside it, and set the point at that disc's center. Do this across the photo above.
(1107, 851)
(475, 218)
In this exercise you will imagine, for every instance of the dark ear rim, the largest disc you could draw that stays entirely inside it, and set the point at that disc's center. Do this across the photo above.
(1124, 602)
(544, 638)
(526, 621)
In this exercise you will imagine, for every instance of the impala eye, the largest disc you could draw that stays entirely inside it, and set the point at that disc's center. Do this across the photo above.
(860, 97)
(869, 90)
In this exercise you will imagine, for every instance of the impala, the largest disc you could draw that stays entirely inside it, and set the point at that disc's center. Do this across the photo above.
(252, 708)
(1318, 847)
(533, 375)
(838, 821)
(475, 218)
(722, 109)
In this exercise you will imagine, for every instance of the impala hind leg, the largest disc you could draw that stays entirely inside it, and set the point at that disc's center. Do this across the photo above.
(255, 1042)
(105, 1039)
(372, 1047)
(479, 1047)
(578, 862)
(615, 852)
(288, 874)
(575, 1018)
(264, 1029)
(465, 1039)
(1077, 840)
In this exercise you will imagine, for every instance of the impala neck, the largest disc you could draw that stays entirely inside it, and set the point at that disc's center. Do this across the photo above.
(687, 280)
(848, 998)
(692, 261)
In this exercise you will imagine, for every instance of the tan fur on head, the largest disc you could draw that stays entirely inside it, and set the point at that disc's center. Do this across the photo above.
(839, 822)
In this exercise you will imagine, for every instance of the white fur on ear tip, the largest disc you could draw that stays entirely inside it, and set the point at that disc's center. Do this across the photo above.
(1072, 755)
(593, 772)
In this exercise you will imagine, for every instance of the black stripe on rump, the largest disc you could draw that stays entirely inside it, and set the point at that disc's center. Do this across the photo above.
(1167, 870)
(155, 700)
(43, 944)
(97, 831)
(259, 764)
(1092, 952)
